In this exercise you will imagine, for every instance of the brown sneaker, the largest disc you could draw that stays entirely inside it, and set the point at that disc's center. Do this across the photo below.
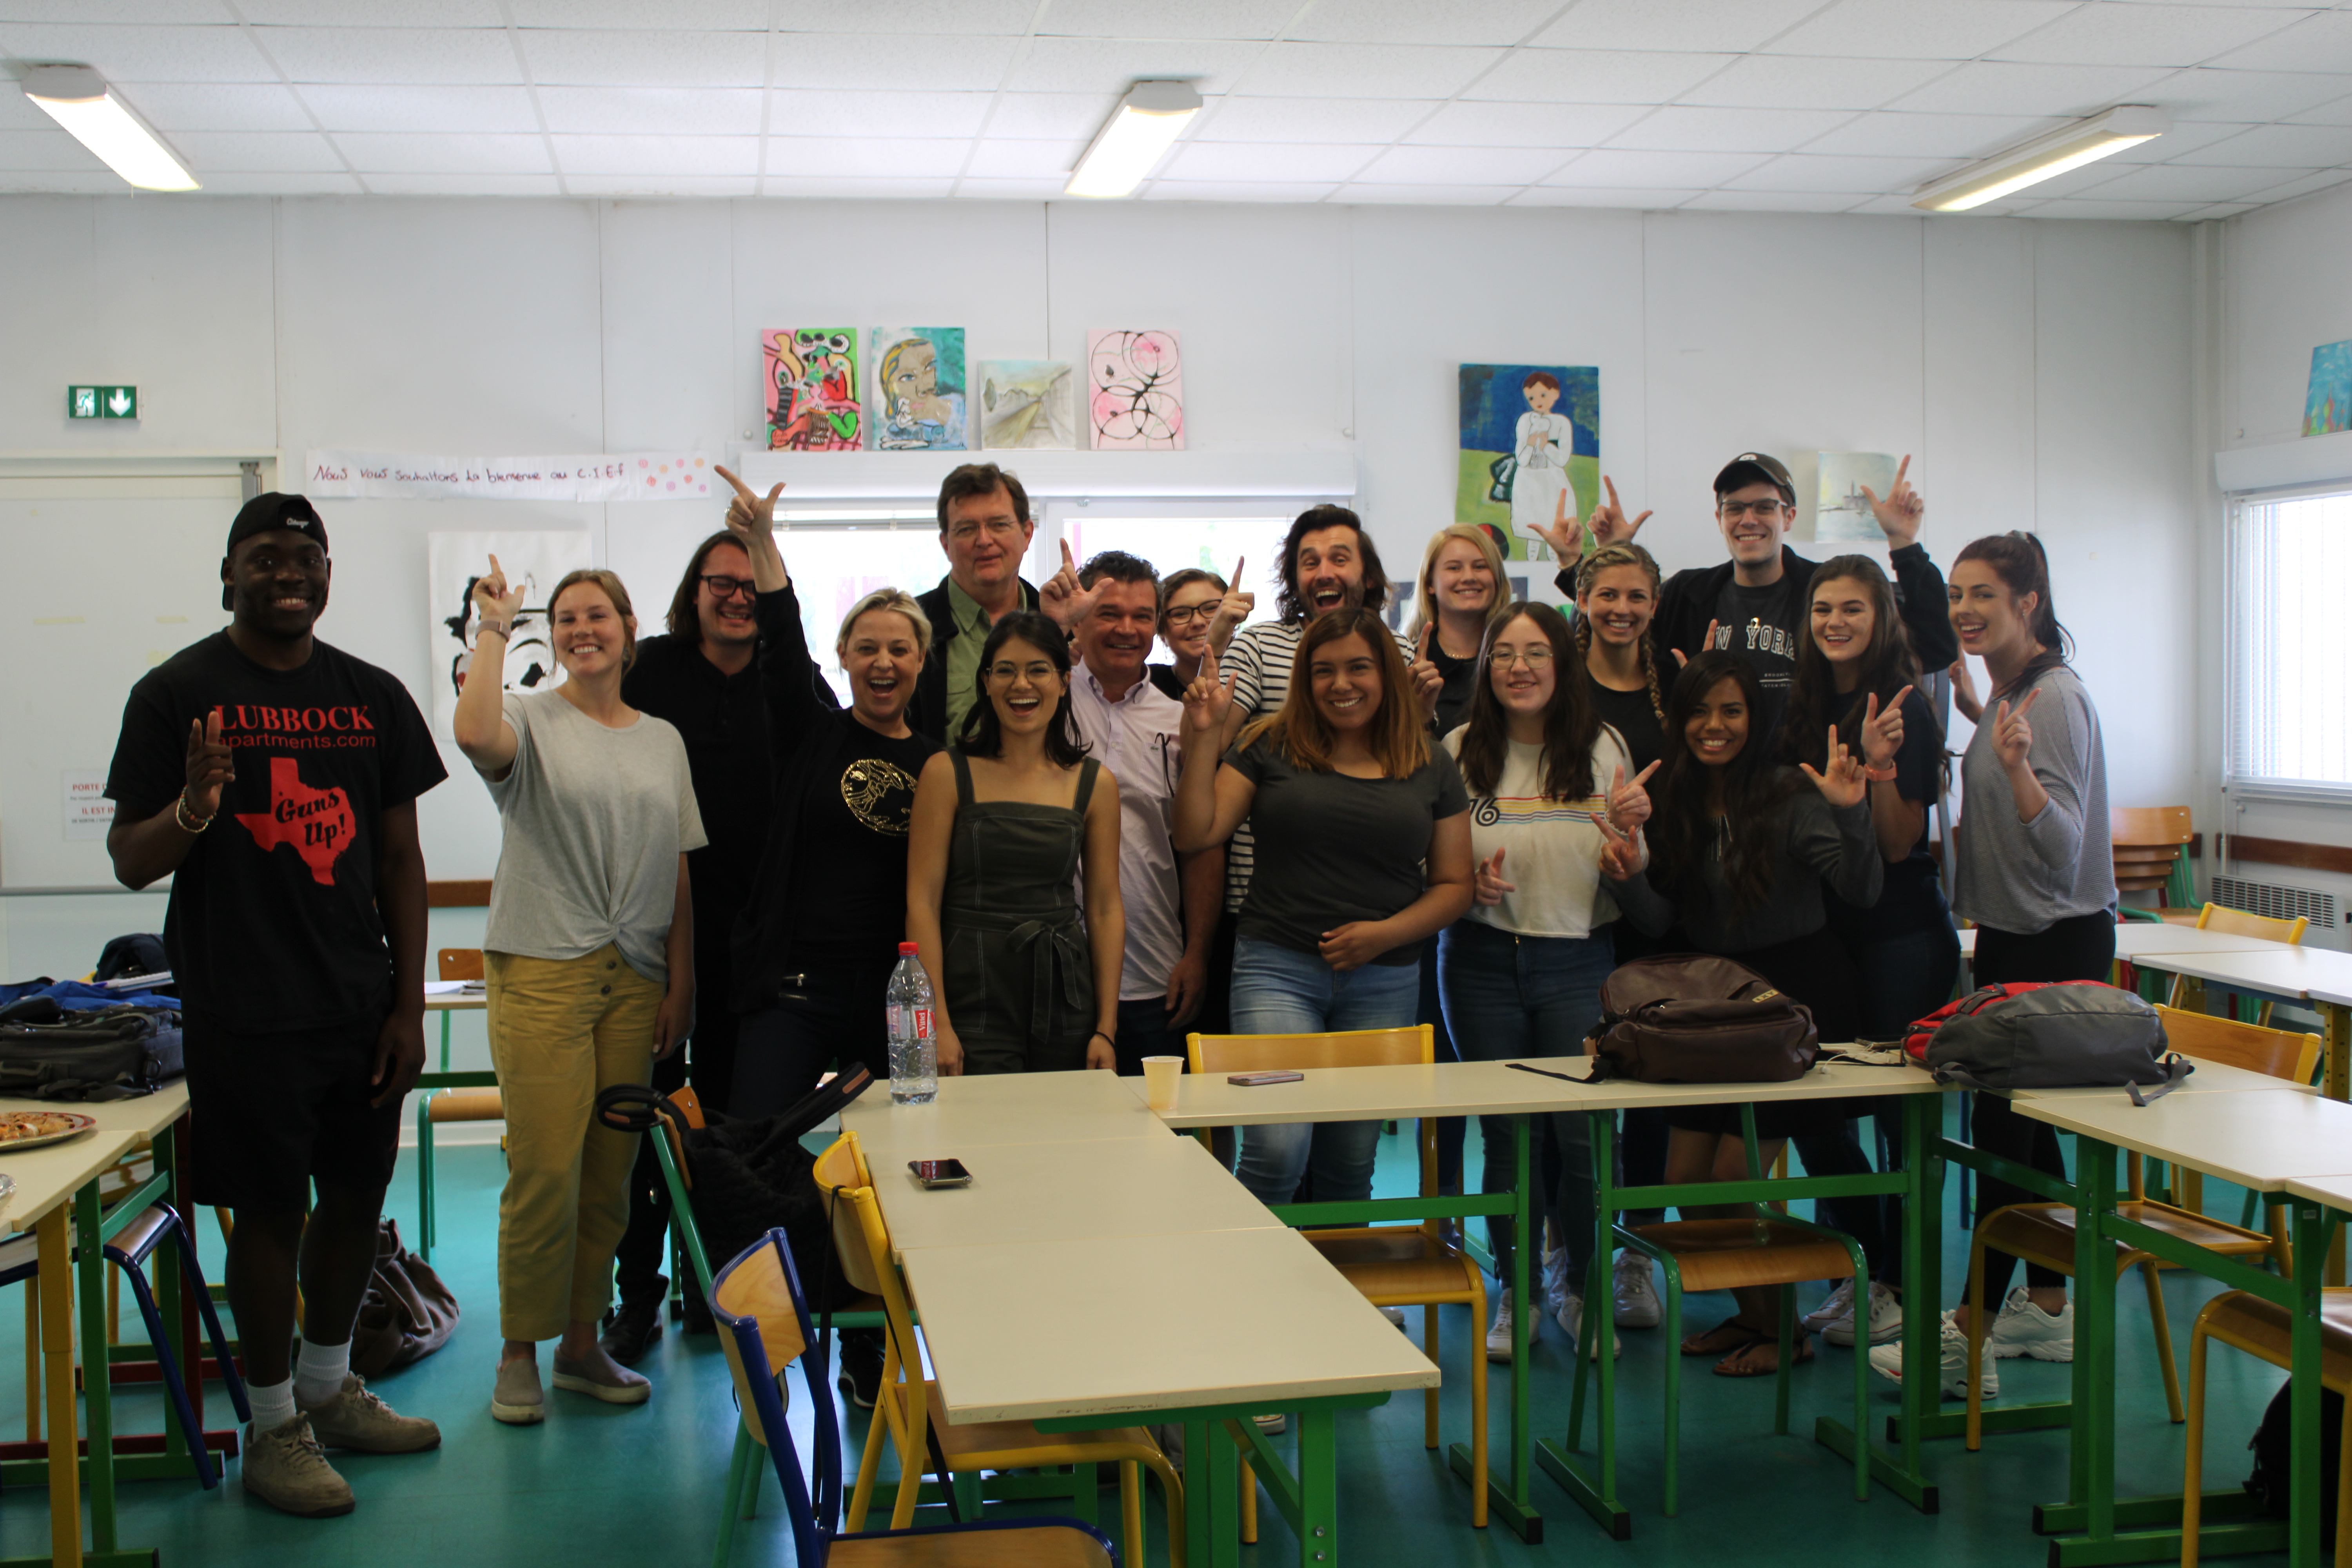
(354, 1418)
(286, 1469)
(517, 1401)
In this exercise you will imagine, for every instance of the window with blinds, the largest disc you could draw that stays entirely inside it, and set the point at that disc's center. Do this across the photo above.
(2289, 697)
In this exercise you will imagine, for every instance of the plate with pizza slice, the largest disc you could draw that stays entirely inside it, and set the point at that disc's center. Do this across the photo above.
(32, 1129)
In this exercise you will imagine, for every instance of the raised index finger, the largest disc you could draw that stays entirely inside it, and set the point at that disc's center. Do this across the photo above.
(1612, 485)
(2030, 699)
(1902, 467)
(1644, 776)
(1895, 705)
(1067, 562)
(740, 489)
(213, 728)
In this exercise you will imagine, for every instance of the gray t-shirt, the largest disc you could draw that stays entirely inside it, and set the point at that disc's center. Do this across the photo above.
(595, 820)
(2025, 877)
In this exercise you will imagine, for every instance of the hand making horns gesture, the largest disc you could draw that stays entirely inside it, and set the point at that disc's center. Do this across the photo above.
(1066, 604)
(1841, 783)
(1208, 699)
(491, 600)
(1629, 802)
(1491, 887)
(1882, 730)
(751, 514)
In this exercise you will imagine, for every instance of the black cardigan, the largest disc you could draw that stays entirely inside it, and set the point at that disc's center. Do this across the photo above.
(928, 713)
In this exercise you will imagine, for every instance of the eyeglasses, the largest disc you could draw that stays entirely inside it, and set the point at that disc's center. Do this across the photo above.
(1186, 615)
(1762, 510)
(1533, 657)
(727, 587)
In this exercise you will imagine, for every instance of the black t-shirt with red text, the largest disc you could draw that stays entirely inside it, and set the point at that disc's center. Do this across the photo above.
(273, 921)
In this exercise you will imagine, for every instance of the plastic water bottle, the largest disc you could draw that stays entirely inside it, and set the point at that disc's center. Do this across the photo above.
(914, 1055)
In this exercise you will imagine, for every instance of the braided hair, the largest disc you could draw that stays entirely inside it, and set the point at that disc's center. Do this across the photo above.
(1588, 572)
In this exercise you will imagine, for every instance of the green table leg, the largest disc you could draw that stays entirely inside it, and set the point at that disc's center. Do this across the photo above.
(1318, 1487)
(2310, 1226)
(1596, 1494)
(89, 1269)
(1514, 1498)
(1923, 1244)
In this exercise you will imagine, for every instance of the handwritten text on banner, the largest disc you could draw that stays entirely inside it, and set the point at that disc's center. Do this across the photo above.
(633, 476)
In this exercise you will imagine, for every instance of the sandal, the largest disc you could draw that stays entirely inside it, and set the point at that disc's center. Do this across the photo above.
(1737, 1363)
(1727, 1338)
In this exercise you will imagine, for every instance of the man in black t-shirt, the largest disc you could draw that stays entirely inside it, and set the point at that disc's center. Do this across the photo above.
(275, 780)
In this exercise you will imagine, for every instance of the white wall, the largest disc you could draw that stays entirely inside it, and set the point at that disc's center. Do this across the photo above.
(2040, 372)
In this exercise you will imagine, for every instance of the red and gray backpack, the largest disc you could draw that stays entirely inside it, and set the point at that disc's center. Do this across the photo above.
(2067, 1034)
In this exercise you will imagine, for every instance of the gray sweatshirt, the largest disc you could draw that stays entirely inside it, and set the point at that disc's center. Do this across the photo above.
(2023, 877)
(1813, 844)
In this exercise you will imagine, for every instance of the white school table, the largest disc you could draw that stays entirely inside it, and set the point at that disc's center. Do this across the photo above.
(993, 1110)
(1483, 1089)
(2211, 1077)
(2261, 1140)
(2315, 976)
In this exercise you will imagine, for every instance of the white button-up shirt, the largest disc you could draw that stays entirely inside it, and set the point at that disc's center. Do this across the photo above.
(1138, 741)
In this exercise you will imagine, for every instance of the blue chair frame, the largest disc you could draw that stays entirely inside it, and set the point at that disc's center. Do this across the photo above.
(815, 1517)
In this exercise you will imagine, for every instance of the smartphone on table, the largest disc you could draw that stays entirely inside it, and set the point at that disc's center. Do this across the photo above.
(941, 1173)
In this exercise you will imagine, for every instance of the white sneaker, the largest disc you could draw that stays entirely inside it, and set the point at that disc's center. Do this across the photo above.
(1498, 1338)
(1572, 1317)
(1394, 1315)
(1837, 1306)
(1555, 1280)
(2025, 1330)
(1636, 1290)
(1886, 1319)
(1887, 1361)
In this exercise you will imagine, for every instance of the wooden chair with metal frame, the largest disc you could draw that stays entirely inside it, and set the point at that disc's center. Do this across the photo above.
(764, 1327)
(911, 1409)
(435, 1105)
(2043, 1233)
(2282, 1053)
(2263, 1330)
(2150, 842)
(2240, 922)
(1392, 1264)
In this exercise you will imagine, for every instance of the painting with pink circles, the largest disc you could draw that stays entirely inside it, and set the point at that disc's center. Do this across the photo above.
(1135, 391)
(653, 477)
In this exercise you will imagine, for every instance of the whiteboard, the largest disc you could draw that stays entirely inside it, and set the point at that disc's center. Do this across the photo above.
(98, 589)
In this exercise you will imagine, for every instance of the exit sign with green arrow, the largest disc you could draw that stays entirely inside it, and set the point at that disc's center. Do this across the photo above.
(101, 403)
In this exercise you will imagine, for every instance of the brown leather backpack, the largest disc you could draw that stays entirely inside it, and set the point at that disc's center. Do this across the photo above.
(1691, 1017)
(408, 1312)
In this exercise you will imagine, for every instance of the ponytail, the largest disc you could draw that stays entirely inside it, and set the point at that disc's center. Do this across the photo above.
(2018, 558)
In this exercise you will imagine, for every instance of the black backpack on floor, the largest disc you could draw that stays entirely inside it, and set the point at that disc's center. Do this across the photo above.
(2273, 1443)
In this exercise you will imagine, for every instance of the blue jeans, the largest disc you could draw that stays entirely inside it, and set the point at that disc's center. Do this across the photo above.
(1281, 991)
(1516, 996)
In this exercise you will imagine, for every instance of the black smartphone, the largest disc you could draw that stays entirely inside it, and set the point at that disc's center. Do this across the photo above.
(941, 1173)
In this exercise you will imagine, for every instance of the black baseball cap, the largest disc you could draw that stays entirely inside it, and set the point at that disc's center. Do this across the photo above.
(1756, 469)
(264, 512)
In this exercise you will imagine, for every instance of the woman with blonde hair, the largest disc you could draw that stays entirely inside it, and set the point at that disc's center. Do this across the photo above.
(1463, 592)
(590, 959)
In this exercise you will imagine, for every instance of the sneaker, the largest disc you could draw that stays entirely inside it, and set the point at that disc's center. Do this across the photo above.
(1572, 1317)
(2024, 1328)
(631, 1330)
(1394, 1315)
(1838, 1307)
(1636, 1290)
(286, 1469)
(861, 1368)
(601, 1379)
(1555, 1280)
(517, 1400)
(1271, 1426)
(354, 1418)
(1887, 1361)
(1885, 1317)
(1498, 1338)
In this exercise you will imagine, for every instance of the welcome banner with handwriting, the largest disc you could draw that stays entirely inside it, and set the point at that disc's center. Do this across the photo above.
(592, 477)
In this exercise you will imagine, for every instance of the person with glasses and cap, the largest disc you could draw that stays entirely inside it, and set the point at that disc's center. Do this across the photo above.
(274, 779)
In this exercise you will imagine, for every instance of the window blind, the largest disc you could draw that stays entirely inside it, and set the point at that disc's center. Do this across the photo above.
(2289, 683)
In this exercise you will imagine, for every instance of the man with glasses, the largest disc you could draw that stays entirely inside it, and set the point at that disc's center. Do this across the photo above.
(1133, 729)
(704, 678)
(984, 531)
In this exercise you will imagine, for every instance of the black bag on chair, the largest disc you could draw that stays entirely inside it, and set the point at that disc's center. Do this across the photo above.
(2273, 1442)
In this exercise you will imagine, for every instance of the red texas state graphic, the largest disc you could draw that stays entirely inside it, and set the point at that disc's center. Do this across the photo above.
(317, 823)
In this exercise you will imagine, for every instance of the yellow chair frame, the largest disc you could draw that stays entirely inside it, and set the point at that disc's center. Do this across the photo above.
(2261, 1330)
(2238, 923)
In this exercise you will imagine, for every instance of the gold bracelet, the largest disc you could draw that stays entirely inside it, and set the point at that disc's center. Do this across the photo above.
(188, 821)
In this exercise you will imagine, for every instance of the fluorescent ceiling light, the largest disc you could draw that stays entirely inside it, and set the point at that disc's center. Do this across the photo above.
(1136, 135)
(77, 98)
(2030, 163)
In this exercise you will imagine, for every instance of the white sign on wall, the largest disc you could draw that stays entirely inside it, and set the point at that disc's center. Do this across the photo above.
(88, 813)
(592, 476)
(533, 563)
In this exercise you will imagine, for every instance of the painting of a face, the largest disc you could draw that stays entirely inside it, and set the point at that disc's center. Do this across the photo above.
(918, 374)
(1542, 397)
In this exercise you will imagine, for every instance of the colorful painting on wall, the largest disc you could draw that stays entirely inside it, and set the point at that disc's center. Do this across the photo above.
(1530, 451)
(1841, 508)
(2327, 407)
(1026, 402)
(1135, 391)
(533, 561)
(811, 389)
(918, 403)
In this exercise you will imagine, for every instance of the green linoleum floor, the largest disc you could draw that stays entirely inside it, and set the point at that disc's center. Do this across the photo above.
(596, 1483)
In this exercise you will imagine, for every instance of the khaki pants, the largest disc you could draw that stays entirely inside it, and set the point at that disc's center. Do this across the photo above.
(559, 1033)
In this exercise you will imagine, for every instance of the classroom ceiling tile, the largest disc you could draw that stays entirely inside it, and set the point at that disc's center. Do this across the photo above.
(261, 182)
(1447, 196)
(372, 153)
(2185, 136)
(1772, 201)
(1465, 124)
(903, 65)
(372, 12)
(1896, 135)
(256, 151)
(142, 53)
(2218, 210)
(655, 110)
(1111, 65)
(1239, 191)
(1043, 114)
(485, 110)
(2192, 182)
(1681, 129)
(906, 17)
(660, 185)
(1490, 22)
(1607, 166)
(865, 157)
(2203, 93)
(2322, 42)
(802, 113)
(862, 187)
(691, 16)
(657, 154)
(1471, 165)
(1296, 163)
(2080, 207)
(1364, 71)
(1814, 82)
(1003, 160)
(1851, 176)
(1244, 19)
(18, 112)
(2320, 180)
(2335, 111)
(455, 185)
(124, 13)
(1998, 87)
(646, 60)
(2302, 146)
(50, 148)
(2145, 35)
(1918, 29)
(989, 190)
(96, 180)
(1640, 198)
(1673, 24)
(206, 106)
(438, 56)
(1595, 75)
(1311, 120)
